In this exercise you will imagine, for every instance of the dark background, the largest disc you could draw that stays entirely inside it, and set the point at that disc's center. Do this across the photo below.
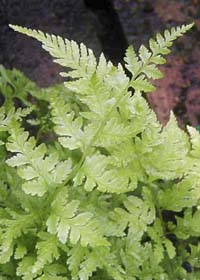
(110, 26)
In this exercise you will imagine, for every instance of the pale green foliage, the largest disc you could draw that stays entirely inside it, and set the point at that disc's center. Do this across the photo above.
(64, 221)
(40, 172)
(111, 194)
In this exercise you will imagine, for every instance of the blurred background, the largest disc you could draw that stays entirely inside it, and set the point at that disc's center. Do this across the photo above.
(109, 26)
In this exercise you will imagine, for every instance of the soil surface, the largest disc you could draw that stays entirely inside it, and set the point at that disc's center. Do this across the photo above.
(110, 27)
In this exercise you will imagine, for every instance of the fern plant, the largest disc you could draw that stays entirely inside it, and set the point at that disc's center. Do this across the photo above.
(112, 194)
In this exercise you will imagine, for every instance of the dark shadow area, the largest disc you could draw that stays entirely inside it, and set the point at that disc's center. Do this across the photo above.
(109, 29)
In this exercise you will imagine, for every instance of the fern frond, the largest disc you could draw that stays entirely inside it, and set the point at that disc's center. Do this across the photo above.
(161, 44)
(186, 192)
(156, 142)
(83, 263)
(79, 58)
(47, 251)
(66, 53)
(39, 171)
(137, 215)
(99, 173)
(67, 126)
(188, 225)
(75, 257)
(180, 195)
(90, 265)
(98, 194)
(10, 230)
(54, 271)
(67, 223)
(195, 141)
(20, 251)
(6, 118)
(144, 65)
(24, 268)
(51, 277)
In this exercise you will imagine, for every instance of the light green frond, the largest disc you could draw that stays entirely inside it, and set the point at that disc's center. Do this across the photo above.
(80, 59)
(137, 215)
(183, 194)
(138, 210)
(161, 44)
(67, 126)
(136, 114)
(144, 65)
(66, 53)
(97, 172)
(195, 141)
(47, 251)
(100, 188)
(163, 153)
(55, 271)
(186, 192)
(51, 277)
(75, 257)
(188, 225)
(90, 265)
(142, 84)
(39, 171)
(161, 242)
(6, 118)
(10, 230)
(69, 223)
(24, 268)
(20, 251)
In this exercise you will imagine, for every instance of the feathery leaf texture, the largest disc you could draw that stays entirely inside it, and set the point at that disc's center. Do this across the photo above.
(39, 171)
(90, 202)
(83, 62)
(143, 66)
